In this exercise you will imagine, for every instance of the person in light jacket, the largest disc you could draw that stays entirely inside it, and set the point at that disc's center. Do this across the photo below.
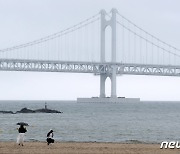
(50, 136)
(20, 139)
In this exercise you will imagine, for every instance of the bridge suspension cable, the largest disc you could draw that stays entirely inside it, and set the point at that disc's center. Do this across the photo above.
(150, 49)
(55, 35)
(81, 42)
(154, 37)
(151, 42)
(72, 44)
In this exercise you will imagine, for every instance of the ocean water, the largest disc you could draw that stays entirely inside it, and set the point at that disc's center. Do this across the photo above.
(117, 122)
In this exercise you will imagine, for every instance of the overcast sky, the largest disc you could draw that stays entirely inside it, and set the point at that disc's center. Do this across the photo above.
(26, 20)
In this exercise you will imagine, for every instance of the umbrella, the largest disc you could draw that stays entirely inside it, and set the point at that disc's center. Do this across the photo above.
(22, 123)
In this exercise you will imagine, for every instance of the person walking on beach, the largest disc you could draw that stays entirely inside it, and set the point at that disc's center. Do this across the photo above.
(50, 136)
(20, 139)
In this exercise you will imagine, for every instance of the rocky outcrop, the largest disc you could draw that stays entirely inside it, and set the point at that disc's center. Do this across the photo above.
(47, 111)
(26, 110)
(7, 112)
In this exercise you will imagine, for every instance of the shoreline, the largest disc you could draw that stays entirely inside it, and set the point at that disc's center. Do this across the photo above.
(9, 147)
(64, 141)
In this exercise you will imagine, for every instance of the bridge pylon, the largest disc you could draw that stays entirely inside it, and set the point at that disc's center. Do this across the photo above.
(112, 73)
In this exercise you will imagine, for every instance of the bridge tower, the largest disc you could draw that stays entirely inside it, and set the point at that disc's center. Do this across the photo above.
(112, 73)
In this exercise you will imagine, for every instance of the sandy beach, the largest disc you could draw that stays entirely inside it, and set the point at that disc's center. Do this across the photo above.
(82, 148)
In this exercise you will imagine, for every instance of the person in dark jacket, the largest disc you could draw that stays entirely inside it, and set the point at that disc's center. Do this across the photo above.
(20, 139)
(50, 136)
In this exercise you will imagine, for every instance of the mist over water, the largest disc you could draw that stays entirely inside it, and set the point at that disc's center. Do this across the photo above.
(123, 122)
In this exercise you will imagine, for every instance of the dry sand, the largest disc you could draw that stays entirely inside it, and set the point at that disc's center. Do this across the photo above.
(83, 148)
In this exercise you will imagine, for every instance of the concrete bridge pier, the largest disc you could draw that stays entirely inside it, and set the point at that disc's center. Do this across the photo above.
(113, 82)
(102, 85)
(103, 78)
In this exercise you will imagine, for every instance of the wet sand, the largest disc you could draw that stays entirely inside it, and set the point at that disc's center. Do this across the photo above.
(83, 148)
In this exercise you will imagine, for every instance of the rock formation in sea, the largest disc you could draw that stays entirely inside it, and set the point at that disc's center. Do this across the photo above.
(43, 110)
(7, 112)
(26, 110)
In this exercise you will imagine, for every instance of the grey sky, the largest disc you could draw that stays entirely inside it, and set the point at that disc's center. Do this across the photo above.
(26, 20)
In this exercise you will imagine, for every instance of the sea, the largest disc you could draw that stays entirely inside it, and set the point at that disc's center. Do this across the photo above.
(143, 122)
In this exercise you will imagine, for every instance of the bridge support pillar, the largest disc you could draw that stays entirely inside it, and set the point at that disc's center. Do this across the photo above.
(113, 82)
(112, 74)
(113, 54)
(102, 85)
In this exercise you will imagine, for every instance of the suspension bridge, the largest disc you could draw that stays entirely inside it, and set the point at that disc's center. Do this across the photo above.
(106, 44)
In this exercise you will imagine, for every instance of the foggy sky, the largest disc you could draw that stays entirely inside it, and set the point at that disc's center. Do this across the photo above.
(26, 20)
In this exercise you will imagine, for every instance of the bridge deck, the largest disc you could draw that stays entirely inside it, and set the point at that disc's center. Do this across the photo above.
(87, 67)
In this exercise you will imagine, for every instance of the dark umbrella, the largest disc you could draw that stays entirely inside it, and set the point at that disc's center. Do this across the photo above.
(22, 123)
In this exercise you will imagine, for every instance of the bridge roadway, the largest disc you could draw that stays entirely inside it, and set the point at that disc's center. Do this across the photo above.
(87, 67)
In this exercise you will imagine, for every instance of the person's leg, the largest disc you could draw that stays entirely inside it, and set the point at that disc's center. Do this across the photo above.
(22, 138)
(52, 141)
(48, 141)
(18, 139)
